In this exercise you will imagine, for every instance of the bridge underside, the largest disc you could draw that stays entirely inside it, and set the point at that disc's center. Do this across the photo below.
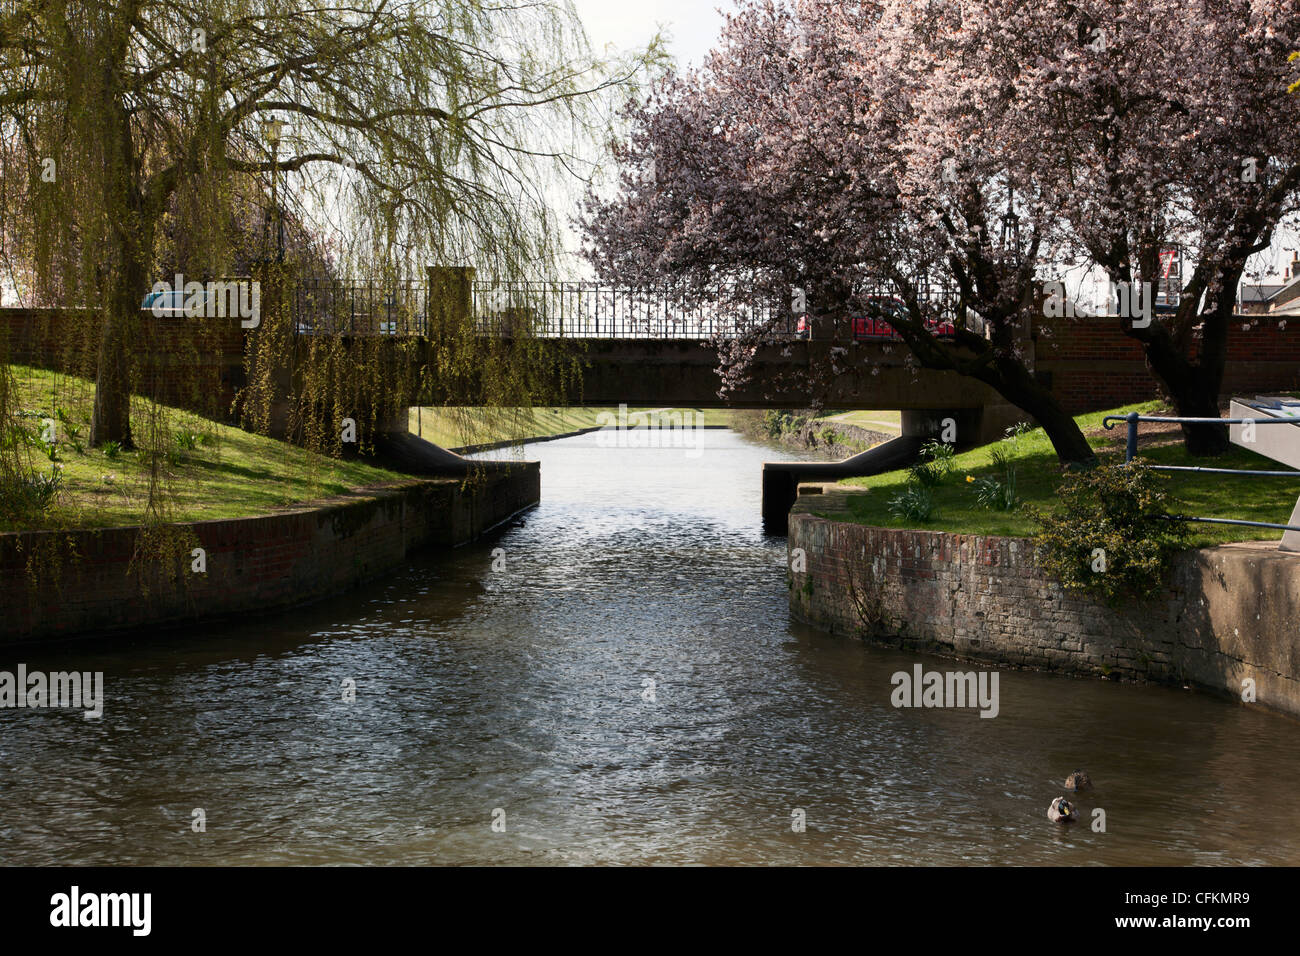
(797, 374)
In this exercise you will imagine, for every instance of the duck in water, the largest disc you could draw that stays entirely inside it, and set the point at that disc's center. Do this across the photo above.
(1061, 811)
(1078, 781)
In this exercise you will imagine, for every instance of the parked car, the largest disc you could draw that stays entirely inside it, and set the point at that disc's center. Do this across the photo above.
(172, 303)
(867, 327)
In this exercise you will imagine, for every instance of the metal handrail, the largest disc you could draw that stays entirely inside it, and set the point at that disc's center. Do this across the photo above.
(1130, 452)
(1133, 418)
(589, 309)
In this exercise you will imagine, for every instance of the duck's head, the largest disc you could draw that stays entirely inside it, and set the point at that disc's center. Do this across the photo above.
(1079, 780)
(1062, 811)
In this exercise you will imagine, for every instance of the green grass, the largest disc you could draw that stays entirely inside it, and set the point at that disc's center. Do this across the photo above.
(1038, 475)
(228, 473)
(459, 427)
(876, 421)
(217, 471)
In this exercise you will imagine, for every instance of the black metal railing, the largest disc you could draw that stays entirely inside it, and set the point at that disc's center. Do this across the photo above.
(359, 307)
(593, 310)
(1133, 419)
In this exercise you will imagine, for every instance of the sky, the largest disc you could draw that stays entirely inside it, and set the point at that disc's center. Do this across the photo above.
(692, 26)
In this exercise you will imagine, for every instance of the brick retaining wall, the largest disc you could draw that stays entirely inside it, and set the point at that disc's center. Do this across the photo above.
(1230, 612)
(1092, 365)
(253, 564)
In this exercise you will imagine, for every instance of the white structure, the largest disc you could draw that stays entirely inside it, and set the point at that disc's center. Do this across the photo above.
(1278, 442)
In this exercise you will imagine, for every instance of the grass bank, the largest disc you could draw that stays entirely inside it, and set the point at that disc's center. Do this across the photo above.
(211, 471)
(463, 427)
(1038, 475)
(215, 471)
(828, 434)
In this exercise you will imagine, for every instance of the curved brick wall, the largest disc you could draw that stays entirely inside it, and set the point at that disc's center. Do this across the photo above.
(253, 564)
(1230, 612)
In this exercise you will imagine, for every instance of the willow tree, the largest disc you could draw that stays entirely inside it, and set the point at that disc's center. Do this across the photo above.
(420, 132)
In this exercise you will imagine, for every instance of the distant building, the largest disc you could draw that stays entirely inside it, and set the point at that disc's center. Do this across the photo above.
(1274, 298)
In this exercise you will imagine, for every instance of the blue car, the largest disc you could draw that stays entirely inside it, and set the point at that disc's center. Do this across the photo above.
(172, 303)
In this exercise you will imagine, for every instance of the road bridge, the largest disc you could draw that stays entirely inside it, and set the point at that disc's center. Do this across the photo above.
(643, 348)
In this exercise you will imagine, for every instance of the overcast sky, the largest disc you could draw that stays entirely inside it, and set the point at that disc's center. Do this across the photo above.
(691, 26)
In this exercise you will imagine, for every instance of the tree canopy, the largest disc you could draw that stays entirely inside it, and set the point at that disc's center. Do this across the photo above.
(396, 134)
(855, 149)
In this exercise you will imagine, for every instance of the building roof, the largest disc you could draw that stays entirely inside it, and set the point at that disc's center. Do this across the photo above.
(1260, 293)
(1288, 293)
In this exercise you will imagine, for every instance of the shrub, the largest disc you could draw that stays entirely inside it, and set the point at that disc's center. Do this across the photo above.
(915, 503)
(773, 423)
(70, 428)
(1111, 532)
(1017, 430)
(187, 440)
(940, 454)
(111, 449)
(933, 466)
(19, 436)
(923, 473)
(24, 496)
(994, 492)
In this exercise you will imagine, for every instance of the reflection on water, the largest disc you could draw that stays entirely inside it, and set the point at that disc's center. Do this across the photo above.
(528, 690)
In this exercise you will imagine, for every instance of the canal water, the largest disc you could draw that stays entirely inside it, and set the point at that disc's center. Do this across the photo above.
(625, 687)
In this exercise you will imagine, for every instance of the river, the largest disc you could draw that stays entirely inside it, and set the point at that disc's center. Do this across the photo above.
(626, 687)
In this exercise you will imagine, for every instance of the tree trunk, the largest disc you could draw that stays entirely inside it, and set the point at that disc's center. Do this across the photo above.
(132, 233)
(1014, 382)
(1194, 387)
(1010, 378)
(112, 415)
(1198, 400)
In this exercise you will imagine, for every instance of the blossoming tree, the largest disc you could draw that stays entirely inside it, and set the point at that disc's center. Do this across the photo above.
(841, 148)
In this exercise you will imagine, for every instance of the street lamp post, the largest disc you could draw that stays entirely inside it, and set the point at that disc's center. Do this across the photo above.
(271, 130)
(1010, 235)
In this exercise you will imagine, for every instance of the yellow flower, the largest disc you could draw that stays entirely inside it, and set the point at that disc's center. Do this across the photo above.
(969, 478)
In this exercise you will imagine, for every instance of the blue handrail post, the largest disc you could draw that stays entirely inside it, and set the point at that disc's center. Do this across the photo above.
(1131, 447)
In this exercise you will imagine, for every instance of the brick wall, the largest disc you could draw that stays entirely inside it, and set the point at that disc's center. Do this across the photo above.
(253, 564)
(1230, 612)
(195, 363)
(1093, 365)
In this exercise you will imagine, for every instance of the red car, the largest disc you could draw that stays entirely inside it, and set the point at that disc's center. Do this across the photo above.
(879, 327)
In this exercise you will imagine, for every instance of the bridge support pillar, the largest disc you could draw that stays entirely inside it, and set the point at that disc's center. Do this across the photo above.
(397, 448)
(963, 427)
